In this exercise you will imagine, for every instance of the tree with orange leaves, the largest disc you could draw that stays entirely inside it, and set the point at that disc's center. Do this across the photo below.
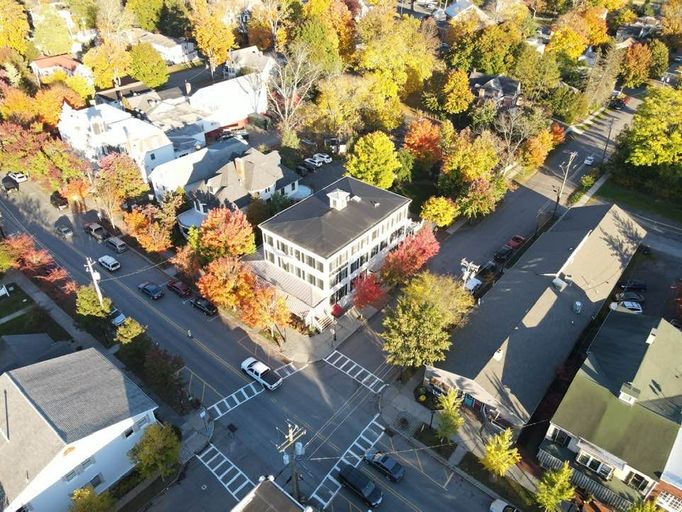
(150, 228)
(260, 306)
(423, 141)
(221, 280)
(49, 102)
(409, 257)
(24, 251)
(76, 190)
(224, 232)
(17, 106)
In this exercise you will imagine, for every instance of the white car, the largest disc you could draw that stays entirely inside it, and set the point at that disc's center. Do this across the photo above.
(627, 306)
(472, 285)
(313, 161)
(262, 373)
(116, 317)
(589, 160)
(439, 15)
(109, 263)
(19, 177)
(323, 157)
(502, 506)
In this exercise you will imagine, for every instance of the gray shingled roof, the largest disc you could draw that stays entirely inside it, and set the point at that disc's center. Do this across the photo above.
(527, 322)
(313, 225)
(80, 393)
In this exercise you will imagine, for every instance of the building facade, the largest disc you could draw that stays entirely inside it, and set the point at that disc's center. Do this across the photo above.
(68, 422)
(314, 250)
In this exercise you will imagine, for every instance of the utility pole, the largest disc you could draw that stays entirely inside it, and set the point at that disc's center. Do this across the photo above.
(608, 139)
(566, 170)
(469, 268)
(89, 266)
(294, 432)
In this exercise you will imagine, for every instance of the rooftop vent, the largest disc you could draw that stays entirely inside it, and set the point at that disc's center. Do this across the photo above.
(338, 199)
(376, 204)
(652, 336)
(497, 356)
(628, 393)
(559, 284)
(356, 199)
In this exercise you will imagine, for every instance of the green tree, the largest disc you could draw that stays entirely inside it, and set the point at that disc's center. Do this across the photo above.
(671, 21)
(450, 418)
(659, 58)
(14, 26)
(655, 137)
(538, 73)
(129, 330)
(645, 506)
(555, 488)
(51, 34)
(439, 210)
(146, 12)
(373, 159)
(414, 334)
(147, 65)
(406, 159)
(80, 85)
(87, 303)
(321, 43)
(636, 65)
(118, 179)
(493, 51)
(500, 455)
(601, 79)
(157, 451)
(173, 19)
(83, 12)
(86, 499)
(483, 116)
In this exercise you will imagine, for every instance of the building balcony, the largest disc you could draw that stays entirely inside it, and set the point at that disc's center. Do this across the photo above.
(612, 492)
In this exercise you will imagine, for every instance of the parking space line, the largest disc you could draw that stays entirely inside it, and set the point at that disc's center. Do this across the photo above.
(329, 487)
(340, 361)
(210, 454)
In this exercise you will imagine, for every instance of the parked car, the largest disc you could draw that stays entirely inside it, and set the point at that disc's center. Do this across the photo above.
(58, 201)
(502, 506)
(302, 170)
(311, 161)
(116, 317)
(627, 307)
(64, 232)
(96, 231)
(180, 288)
(109, 262)
(204, 305)
(386, 464)
(151, 290)
(439, 15)
(589, 160)
(19, 177)
(361, 485)
(633, 285)
(322, 157)
(503, 254)
(311, 166)
(9, 185)
(261, 372)
(617, 104)
(629, 296)
(515, 242)
(488, 272)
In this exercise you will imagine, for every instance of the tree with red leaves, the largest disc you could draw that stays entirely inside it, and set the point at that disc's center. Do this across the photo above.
(423, 141)
(224, 232)
(260, 306)
(24, 251)
(367, 290)
(221, 282)
(409, 257)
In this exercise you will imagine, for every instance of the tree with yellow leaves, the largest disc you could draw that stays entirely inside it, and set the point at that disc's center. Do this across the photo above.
(567, 43)
(14, 26)
(214, 38)
(109, 62)
(439, 210)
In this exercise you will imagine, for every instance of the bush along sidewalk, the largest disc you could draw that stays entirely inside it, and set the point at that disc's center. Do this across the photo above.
(586, 183)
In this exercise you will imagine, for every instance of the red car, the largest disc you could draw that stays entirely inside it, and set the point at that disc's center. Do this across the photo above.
(515, 242)
(180, 288)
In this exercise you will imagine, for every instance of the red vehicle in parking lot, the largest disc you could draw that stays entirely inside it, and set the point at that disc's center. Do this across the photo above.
(178, 287)
(515, 242)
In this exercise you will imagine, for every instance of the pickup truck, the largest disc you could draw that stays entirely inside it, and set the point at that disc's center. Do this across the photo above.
(96, 231)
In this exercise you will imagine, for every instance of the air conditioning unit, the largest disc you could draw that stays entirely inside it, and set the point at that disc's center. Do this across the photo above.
(559, 284)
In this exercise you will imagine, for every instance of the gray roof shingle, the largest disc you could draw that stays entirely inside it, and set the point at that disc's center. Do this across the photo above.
(313, 225)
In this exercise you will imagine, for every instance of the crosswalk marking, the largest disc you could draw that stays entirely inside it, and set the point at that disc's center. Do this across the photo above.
(330, 486)
(288, 370)
(228, 474)
(355, 371)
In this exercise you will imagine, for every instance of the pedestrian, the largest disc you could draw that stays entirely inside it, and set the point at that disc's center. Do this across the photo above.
(189, 333)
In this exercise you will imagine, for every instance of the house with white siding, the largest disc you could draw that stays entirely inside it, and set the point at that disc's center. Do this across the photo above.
(67, 423)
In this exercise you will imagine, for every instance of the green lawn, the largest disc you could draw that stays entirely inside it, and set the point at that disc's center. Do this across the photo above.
(670, 210)
(510, 490)
(419, 191)
(17, 300)
(429, 436)
(34, 322)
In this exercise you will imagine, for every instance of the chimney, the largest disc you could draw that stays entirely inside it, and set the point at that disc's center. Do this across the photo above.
(628, 393)
(188, 88)
(652, 336)
(338, 199)
(240, 168)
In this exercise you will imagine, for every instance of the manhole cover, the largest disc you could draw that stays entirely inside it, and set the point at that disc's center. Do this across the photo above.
(232, 428)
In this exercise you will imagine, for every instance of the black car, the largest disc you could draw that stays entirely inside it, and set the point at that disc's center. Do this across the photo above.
(9, 185)
(204, 305)
(361, 485)
(310, 166)
(151, 290)
(58, 200)
(302, 170)
(488, 272)
(503, 254)
(633, 285)
(390, 467)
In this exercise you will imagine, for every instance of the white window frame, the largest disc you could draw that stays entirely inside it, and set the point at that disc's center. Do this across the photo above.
(598, 470)
(669, 502)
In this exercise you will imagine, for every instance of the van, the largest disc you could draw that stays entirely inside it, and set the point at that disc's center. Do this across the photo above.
(116, 244)
(361, 485)
(109, 263)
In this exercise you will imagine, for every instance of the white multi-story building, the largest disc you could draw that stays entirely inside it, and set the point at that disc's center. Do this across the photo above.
(97, 131)
(66, 423)
(314, 250)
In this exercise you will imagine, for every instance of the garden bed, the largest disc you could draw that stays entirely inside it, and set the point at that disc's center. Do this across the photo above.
(429, 437)
(427, 398)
